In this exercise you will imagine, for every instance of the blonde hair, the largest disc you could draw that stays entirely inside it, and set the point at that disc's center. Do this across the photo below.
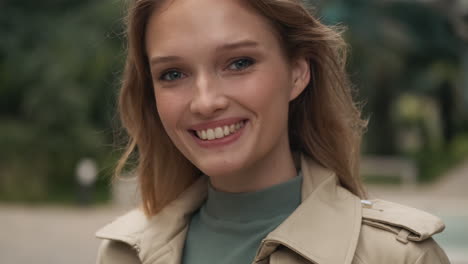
(324, 122)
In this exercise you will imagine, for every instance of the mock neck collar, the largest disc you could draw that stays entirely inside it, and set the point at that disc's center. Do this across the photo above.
(250, 206)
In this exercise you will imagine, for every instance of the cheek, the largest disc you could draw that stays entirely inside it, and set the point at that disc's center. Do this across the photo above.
(169, 110)
(268, 92)
(272, 103)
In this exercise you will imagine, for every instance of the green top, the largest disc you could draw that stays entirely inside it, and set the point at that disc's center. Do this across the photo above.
(229, 227)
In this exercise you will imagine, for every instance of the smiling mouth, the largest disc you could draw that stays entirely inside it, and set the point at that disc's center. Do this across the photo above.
(218, 132)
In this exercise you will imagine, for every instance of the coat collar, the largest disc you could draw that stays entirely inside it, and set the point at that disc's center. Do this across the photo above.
(324, 229)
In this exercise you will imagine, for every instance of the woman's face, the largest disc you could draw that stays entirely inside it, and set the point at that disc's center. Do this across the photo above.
(222, 84)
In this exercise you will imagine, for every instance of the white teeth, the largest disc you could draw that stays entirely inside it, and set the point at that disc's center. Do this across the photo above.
(210, 134)
(226, 131)
(219, 132)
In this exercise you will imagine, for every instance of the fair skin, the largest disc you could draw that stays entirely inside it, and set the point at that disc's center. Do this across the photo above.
(215, 64)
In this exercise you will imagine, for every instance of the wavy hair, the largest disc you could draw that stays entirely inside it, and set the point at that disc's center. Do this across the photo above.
(324, 121)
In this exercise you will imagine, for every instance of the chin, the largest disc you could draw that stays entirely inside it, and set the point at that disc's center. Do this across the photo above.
(220, 166)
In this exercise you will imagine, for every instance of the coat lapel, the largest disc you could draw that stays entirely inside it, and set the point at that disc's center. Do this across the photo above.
(324, 229)
(163, 240)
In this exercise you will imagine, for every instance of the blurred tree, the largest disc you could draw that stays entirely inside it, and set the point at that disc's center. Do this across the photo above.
(399, 47)
(57, 65)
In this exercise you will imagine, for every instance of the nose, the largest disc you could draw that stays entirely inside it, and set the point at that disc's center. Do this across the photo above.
(208, 97)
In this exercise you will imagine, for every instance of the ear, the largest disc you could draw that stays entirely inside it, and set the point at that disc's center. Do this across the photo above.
(300, 77)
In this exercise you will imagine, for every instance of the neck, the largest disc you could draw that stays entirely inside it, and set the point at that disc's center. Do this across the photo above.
(277, 167)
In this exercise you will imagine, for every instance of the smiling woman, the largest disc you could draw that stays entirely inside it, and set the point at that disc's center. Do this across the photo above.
(248, 142)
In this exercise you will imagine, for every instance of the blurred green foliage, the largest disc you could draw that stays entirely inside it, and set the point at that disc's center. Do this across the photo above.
(60, 66)
(401, 49)
(433, 162)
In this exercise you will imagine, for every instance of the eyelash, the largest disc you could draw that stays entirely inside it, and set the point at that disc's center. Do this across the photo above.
(166, 74)
(250, 62)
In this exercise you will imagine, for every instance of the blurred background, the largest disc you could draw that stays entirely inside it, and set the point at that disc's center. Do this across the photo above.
(60, 67)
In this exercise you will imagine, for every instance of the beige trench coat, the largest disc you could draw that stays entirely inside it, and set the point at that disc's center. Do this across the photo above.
(331, 226)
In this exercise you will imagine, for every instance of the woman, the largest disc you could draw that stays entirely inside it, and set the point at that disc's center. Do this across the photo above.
(248, 144)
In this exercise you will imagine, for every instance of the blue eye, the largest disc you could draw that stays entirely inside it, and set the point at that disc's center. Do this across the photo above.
(241, 64)
(171, 76)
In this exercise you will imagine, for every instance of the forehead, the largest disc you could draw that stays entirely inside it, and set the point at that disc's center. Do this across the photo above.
(206, 23)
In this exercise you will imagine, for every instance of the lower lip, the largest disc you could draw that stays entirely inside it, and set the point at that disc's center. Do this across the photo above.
(219, 142)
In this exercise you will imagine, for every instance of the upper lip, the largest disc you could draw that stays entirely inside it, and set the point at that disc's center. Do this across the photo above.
(216, 123)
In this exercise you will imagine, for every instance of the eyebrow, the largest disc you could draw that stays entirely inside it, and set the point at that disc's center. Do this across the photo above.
(236, 45)
(224, 47)
(164, 59)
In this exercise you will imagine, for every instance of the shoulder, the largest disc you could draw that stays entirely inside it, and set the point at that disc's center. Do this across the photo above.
(116, 252)
(121, 239)
(395, 233)
(126, 228)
